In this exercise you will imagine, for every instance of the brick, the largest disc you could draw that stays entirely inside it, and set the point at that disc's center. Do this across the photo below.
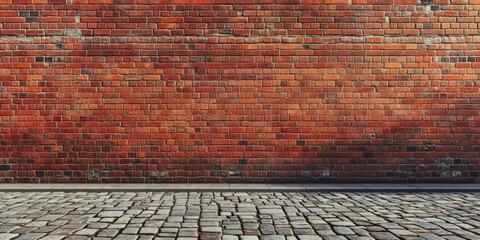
(405, 2)
(312, 1)
(393, 65)
(336, 1)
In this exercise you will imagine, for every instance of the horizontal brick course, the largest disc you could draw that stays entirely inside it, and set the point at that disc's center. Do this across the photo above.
(239, 91)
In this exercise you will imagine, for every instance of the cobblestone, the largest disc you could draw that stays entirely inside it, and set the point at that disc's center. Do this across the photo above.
(239, 215)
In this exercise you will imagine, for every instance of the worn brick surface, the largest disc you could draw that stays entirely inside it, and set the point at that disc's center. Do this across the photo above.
(239, 91)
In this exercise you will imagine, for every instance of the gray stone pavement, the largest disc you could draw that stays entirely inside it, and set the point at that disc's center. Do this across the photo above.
(239, 215)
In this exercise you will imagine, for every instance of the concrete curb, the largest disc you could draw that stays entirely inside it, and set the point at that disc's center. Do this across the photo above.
(234, 187)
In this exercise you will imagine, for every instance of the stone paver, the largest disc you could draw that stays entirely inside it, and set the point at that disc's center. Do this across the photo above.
(7, 236)
(238, 215)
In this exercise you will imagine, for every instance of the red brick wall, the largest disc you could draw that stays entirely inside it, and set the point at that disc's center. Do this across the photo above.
(239, 91)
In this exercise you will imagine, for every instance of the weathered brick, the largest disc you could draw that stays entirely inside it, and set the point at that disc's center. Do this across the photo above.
(239, 90)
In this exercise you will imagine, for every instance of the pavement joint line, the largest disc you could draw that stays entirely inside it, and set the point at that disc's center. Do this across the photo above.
(308, 187)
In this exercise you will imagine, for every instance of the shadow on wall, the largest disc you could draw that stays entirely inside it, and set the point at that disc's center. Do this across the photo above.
(392, 160)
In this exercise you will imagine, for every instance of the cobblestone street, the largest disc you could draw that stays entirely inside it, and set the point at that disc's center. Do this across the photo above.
(239, 215)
